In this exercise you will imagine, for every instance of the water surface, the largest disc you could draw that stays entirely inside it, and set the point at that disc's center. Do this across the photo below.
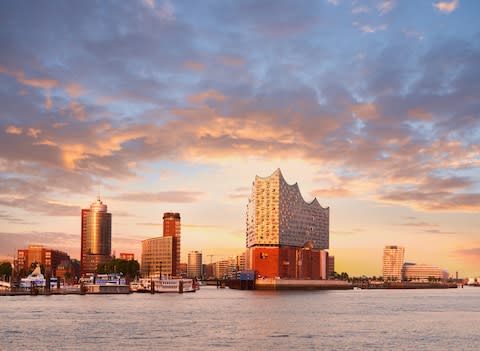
(224, 319)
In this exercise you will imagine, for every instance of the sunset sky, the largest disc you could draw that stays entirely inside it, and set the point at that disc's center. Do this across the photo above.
(373, 107)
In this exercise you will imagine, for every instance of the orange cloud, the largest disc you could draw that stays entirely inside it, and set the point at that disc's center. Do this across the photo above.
(43, 83)
(33, 132)
(331, 192)
(210, 94)
(420, 113)
(78, 111)
(194, 66)
(48, 102)
(446, 7)
(75, 90)
(365, 111)
(232, 60)
(13, 130)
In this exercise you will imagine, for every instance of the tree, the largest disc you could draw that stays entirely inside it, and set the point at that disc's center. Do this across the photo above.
(5, 270)
(129, 268)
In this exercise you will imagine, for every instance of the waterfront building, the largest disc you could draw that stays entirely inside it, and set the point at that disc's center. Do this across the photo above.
(182, 269)
(331, 266)
(423, 272)
(284, 234)
(48, 258)
(96, 237)
(221, 268)
(171, 228)
(127, 256)
(194, 266)
(68, 271)
(393, 259)
(241, 262)
(157, 256)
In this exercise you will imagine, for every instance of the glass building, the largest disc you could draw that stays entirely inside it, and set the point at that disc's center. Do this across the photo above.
(96, 245)
(194, 267)
(157, 256)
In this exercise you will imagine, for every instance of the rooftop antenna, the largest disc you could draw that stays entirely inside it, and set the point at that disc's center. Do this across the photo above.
(98, 193)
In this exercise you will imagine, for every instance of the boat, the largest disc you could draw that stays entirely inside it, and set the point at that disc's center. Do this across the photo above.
(112, 283)
(37, 279)
(170, 285)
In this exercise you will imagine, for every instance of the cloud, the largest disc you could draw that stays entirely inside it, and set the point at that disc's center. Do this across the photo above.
(434, 201)
(210, 94)
(365, 111)
(33, 132)
(386, 6)
(12, 241)
(331, 192)
(42, 206)
(195, 66)
(241, 193)
(372, 29)
(360, 9)
(446, 6)
(43, 83)
(413, 33)
(232, 60)
(75, 90)
(163, 196)
(13, 130)
(6, 217)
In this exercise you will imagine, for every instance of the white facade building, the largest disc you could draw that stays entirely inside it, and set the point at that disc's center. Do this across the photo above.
(423, 272)
(277, 215)
(393, 259)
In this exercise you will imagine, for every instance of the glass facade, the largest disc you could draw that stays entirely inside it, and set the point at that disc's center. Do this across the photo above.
(277, 215)
(96, 243)
(157, 256)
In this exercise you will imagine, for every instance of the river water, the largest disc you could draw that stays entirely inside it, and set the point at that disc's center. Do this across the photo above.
(224, 319)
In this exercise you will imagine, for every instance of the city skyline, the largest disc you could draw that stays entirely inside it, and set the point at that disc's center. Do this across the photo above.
(160, 106)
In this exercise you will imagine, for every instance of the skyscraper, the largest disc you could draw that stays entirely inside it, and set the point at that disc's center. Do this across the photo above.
(285, 234)
(96, 242)
(393, 258)
(171, 228)
(194, 267)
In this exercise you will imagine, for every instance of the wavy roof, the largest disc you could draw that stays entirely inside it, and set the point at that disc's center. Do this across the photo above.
(278, 172)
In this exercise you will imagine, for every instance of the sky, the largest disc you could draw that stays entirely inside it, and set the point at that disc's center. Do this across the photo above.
(373, 107)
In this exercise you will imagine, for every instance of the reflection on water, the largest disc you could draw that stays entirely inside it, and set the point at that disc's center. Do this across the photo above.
(222, 319)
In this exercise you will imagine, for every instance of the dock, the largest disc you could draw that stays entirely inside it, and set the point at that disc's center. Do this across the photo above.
(301, 284)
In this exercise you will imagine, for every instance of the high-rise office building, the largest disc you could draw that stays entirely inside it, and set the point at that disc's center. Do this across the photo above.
(96, 242)
(157, 256)
(393, 259)
(194, 267)
(171, 228)
(285, 234)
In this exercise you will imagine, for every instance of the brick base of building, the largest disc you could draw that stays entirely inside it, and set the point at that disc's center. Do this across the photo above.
(289, 262)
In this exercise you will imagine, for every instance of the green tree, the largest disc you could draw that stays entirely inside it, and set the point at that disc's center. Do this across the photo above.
(129, 268)
(5, 270)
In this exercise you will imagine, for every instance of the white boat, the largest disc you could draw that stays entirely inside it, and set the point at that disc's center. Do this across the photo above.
(172, 285)
(37, 279)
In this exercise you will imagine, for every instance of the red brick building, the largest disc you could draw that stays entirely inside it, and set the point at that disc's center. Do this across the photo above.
(289, 262)
(127, 256)
(49, 258)
(171, 227)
